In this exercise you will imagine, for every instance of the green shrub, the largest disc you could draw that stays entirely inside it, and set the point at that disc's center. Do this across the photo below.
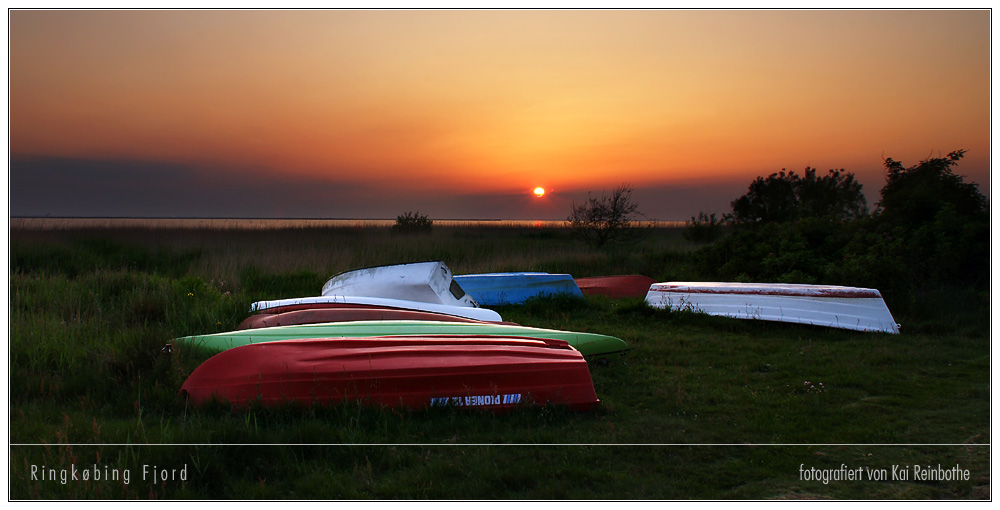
(412, 222)
(706, 228)
(793, 252)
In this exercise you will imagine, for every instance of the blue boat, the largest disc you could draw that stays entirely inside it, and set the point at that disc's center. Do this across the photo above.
(515, 288)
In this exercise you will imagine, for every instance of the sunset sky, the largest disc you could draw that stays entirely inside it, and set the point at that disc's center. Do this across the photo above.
(461, 114)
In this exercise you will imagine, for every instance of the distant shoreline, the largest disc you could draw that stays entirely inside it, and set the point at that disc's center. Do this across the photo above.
(75, 222)
(292, 218)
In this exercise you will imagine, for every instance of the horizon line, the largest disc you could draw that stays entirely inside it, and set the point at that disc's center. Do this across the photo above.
(303, 218)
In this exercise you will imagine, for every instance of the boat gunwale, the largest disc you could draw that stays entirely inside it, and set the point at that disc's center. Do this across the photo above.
(767, 289)
(300, 303)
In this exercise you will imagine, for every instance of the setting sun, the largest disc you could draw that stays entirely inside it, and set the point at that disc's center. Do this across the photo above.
(539, 192)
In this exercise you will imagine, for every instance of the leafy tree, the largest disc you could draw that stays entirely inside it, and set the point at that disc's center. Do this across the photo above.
(836, 195)
(603, 219)
(916, 195)
(412, 222)
(934, 223)
(782, 197)
(768, 200)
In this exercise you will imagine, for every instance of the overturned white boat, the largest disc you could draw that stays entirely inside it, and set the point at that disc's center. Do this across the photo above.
(424, 282)
(852, 308)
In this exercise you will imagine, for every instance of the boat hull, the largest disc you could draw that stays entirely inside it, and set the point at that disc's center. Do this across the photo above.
(516, 288)
(853, 308)
(615, 286)
(302, 303)
(404, 372)
(589, 344)
(425, 282)
(353, 314)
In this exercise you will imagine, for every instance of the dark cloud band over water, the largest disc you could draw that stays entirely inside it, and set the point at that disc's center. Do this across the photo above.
(106, 188)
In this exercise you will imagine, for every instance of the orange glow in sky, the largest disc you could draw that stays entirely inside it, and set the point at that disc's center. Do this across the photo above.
(494, 101)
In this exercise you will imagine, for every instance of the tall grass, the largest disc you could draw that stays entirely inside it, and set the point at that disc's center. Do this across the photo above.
(91, 312)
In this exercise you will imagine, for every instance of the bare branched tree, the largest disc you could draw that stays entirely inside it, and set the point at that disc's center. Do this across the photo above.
(603, 219)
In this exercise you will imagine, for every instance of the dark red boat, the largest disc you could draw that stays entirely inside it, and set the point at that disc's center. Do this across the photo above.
(615, 286)
(408, 372)
(346, 314)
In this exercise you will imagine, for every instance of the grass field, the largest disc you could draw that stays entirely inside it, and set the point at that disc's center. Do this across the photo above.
(700, 408)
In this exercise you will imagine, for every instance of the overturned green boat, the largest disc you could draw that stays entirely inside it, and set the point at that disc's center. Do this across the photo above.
(589, 344)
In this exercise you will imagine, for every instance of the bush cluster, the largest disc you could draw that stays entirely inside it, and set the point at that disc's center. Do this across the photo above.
(412, 222)
(929, 231)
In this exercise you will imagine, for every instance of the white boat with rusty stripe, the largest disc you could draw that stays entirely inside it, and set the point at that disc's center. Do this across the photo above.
(853, 308)
(426, 282)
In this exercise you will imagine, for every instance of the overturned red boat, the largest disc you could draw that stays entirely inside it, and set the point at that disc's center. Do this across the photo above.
(615, 286)
(407, 372)
(345, 314)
